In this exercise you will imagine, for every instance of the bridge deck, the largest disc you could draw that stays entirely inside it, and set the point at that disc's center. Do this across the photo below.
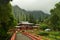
(20, 36)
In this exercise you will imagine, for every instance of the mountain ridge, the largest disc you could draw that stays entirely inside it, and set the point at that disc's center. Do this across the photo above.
(21, 13)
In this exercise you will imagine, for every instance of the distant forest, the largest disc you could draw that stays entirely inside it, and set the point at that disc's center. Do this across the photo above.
(31, 16)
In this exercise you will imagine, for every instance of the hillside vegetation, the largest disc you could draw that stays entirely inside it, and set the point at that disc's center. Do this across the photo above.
(23, 15)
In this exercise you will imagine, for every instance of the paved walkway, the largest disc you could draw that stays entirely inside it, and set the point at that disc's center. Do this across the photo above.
(20, 36)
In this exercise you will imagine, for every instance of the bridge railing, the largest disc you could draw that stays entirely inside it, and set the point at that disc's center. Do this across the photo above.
(13, 36)
(31, 36)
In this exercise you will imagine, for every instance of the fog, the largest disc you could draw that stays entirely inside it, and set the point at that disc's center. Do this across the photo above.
(44, 5)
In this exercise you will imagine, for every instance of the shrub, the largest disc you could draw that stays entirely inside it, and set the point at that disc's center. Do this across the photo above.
(43, 33)
(43, 26)
(55, 33)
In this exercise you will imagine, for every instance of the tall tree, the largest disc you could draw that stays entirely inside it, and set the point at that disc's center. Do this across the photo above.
(31, 18)
(6, 18)
(55, 17)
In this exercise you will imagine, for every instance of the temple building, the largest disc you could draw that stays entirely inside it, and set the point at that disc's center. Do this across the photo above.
(24, 25)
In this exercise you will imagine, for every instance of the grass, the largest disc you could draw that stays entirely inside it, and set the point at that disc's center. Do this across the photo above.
(53, 35)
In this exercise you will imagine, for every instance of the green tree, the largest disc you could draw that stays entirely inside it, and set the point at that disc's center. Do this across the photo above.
(55, 17)
(43, 26)
(31, 18)
(6, 18)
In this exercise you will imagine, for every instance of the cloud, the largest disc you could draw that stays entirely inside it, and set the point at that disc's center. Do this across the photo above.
(44, 5)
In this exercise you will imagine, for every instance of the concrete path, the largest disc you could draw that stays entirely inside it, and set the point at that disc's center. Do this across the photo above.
(20, 36)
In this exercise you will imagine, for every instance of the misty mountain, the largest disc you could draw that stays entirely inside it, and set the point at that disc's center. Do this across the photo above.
(22, 14)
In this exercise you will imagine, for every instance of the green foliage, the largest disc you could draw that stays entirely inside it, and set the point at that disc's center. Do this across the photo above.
(55, 17)
(7, 20)
(55, 33)
(4, 1)
(43, 26)
(31, 19)
(43, 33)
(29, 15)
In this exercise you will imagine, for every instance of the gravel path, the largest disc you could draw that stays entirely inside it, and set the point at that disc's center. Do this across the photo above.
(20, 36)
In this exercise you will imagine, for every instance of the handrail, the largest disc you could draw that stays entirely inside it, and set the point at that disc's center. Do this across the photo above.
(31, 36)
(13, 36)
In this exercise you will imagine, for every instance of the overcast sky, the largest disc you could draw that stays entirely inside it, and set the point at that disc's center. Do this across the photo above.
(44, 5)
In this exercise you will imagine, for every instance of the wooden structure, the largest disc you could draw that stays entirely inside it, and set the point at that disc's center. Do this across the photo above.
(36, 26)
(27, 26)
